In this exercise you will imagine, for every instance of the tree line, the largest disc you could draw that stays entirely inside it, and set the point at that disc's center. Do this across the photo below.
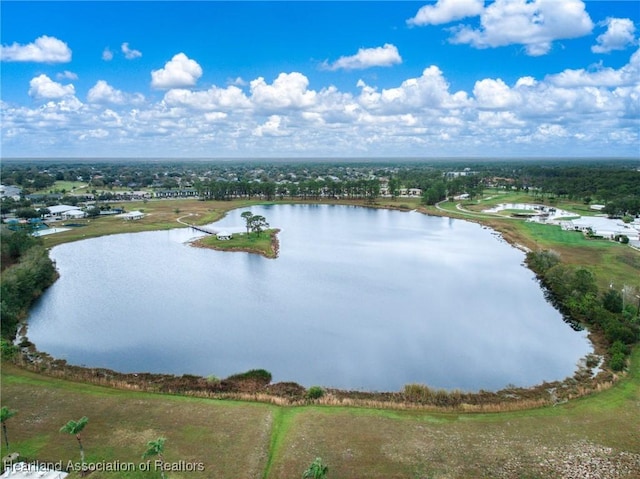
(575, 292)
(27, 272)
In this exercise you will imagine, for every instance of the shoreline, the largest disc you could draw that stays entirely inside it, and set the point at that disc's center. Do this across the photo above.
(583, 382)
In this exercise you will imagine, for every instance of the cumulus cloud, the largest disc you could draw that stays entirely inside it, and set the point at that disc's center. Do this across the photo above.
(575, 111)
(429, 91)
(179, 72)
(619, 35)
(214, 98)
(129, 53)
(44, 88)
(274, 126)
(44, 49)
(289, 90)
(384, 56)
(107, 54)
(102, 92)
(445, 11)
(535, 24)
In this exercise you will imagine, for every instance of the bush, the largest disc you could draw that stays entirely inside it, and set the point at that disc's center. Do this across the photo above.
(315, 392)
(617, 362)
(259, 375)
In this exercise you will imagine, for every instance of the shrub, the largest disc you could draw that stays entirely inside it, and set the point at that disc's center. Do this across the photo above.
(259, 375)
(315, 392)
(617, 361)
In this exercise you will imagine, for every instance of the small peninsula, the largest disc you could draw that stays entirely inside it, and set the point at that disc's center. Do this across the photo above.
(264, 243)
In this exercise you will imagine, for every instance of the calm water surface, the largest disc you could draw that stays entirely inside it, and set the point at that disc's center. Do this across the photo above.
(358, 298)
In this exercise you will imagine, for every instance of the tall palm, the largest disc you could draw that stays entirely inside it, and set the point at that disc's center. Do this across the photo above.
(156, 448)
(6, 413)
(317, 470)
(75, 428)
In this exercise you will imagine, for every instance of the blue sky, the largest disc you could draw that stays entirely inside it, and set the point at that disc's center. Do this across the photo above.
(452, 78)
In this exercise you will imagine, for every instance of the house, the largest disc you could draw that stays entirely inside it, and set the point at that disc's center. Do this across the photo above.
(10, 192)
(224, 235)
(133, 215)
(65, 212)
(73, 214)
(23, 470)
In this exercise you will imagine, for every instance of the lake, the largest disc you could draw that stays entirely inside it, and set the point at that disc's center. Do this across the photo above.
(358, 298)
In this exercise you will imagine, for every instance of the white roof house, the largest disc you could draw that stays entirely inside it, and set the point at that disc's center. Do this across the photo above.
(57, 210)
(22, 470)
(133, 215)
(224, 235)
(73, 214)
(606, 227)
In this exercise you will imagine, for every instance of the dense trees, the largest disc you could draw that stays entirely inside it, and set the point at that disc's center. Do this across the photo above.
(575, 292)
(25, 280)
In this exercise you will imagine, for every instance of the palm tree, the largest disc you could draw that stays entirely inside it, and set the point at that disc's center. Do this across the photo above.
(156, 448)
(6, 413)
(74, 428)
(317, 470)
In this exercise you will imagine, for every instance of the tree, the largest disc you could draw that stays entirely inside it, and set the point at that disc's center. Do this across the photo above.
(317, 470)
(612, 301)
(156, 448)
(258, 224)
(75, 428)
(6, 413)
(247, 215)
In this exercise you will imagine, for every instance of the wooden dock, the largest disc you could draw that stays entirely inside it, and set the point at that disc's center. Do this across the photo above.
(203, 229)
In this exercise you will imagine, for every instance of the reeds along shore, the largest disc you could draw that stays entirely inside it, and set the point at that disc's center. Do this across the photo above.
(250, 387)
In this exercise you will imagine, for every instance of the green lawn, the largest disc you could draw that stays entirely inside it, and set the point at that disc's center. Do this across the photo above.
(264, 244)
(66, 186)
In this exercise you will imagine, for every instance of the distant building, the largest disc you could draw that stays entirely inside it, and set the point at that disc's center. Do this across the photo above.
(10, 192)
(133, 215)
(65, 212)
(224, 236)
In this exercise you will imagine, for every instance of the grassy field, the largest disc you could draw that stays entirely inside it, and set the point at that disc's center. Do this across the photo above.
(265, 244)
(598, 434)
(66, 186)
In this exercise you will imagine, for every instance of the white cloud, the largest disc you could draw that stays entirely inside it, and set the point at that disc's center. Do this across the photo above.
(274, 126)
(445, 11)
(102, 92)
(45, 49)
(289, 90)
(384, 56)
(44, 88)
(66, 75)
(214, 98)
(573, 112)
(619, 35)
(535, 24)
(107, 55)
(495, 94)
(130, 54)
(179, 72)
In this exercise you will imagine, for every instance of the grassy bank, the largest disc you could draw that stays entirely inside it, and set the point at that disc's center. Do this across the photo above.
(265, 244)
(596, 434)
